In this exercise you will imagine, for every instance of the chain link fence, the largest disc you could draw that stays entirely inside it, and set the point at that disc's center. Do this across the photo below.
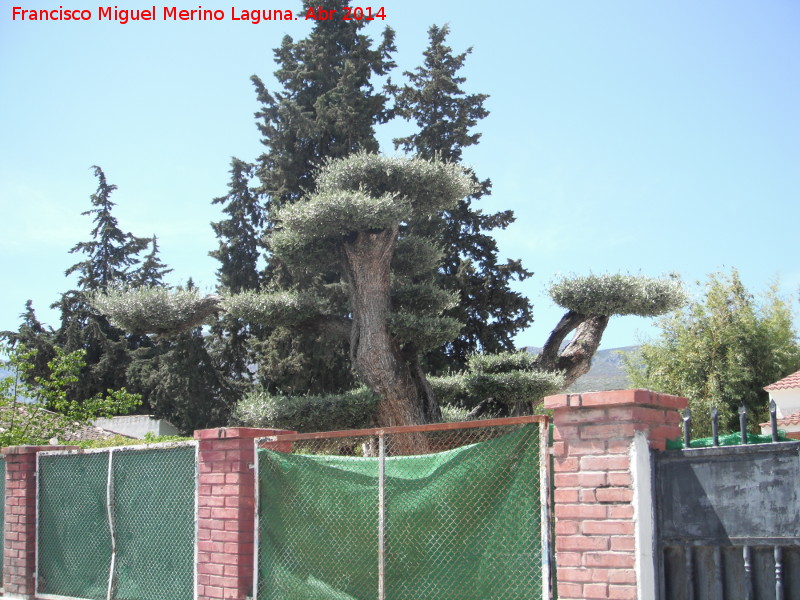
(117, 523)
(450, 511)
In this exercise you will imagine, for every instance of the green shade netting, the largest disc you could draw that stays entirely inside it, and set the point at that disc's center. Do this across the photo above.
(728, 439)
(153, 515)
(74, 538)
(460, 525)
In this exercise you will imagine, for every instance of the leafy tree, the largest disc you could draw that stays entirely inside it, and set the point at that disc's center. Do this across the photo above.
(394, 303)
(720, 351)
(446, 115)
(35, 409)
(327, 107)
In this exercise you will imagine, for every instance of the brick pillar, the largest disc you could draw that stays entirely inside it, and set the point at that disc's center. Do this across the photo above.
(603, 502)
(19, 531)
(226, 511)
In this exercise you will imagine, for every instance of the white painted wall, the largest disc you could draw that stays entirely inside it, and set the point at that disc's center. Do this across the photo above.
(643, 517)
(788, 401)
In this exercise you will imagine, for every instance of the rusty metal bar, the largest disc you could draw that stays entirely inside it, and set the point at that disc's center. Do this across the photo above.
(319, 435)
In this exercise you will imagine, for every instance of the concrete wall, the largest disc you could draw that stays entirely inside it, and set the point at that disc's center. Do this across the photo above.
(137, 426)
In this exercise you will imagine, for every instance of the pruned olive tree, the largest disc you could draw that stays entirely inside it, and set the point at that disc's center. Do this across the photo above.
(383, 297)
(368, 278)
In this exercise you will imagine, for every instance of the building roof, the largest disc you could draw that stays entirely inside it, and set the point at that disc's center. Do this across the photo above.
(792, 420)
(77, 434)
(789, 382)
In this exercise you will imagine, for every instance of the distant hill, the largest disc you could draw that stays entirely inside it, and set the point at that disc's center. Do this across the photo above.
(606, 372)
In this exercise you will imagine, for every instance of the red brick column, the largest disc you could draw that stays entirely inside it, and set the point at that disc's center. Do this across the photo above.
(603, 503)
(226, 511)
(19, 531)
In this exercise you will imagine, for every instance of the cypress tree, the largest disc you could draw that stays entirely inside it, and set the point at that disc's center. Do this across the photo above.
(238, 252)
(445, 116)
(327, 108)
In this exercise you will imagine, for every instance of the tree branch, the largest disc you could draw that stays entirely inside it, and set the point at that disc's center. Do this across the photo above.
(576, 358)
(549, 355)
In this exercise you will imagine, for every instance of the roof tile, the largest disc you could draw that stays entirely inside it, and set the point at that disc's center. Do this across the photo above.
(792, 381)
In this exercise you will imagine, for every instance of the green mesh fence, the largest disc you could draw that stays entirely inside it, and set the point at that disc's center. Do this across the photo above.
(151, 523)
(459, 524)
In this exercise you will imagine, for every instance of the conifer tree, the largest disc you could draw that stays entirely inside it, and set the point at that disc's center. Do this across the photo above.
(181, 379)
(110, 253)
(240, 233)
(327, 107)
(110, 256)
(445, 116)
(152, 270)
(238, 254)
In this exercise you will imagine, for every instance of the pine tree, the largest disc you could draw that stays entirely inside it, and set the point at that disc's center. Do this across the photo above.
(238, 254)
(152, 270)
(446, 115)
(182, 381)
(110, 252)
(240, 234)
(328, 106)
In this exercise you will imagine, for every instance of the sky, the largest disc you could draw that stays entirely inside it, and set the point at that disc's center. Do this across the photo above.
(627, 136)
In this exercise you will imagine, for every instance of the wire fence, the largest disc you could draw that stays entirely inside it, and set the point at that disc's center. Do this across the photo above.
(117, 523)
(450, 511)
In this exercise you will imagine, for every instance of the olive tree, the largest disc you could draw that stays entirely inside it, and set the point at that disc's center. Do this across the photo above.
(364, 275)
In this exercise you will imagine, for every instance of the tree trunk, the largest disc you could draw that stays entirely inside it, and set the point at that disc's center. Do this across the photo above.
(375, 354)
(575, 358)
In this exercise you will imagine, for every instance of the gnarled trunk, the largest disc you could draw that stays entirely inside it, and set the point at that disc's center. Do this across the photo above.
(376, 356)
(575, 358)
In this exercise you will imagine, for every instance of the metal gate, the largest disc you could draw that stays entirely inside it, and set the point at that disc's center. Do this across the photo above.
(728, 522)
(456, 511)
(117, 523)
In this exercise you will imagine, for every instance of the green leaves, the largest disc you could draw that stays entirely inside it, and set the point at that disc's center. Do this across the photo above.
(508, 378)
(33, 413)
(155, 309)
(618, 295)
(276, 309)
(427, 185)
(349, 410)
(720, 351)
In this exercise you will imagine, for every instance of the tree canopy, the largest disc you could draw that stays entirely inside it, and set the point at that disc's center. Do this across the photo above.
(36, 409)
(720, 351)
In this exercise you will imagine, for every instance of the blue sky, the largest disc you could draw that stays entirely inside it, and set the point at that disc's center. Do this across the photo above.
(626, 136)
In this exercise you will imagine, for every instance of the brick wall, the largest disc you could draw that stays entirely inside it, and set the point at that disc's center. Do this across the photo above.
(226, 511)
(19, 530)
(601, 504)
